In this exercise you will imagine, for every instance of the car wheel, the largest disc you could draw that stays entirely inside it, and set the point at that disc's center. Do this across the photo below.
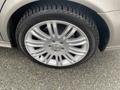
(56, 36)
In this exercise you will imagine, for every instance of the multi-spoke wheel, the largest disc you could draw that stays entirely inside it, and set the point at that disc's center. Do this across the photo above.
(56, 43)
(57, 37)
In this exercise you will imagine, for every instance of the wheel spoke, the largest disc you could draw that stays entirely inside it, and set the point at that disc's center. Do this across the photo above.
(68, 59)
(46, 57)
(41, 33)
(60, 57)
(76, 51)
(34, 33)
(71, 57)
(71, 33)
(49, 26)
(77, 42)
(39, 53)
(57, 60)
(66, 31)
(50, 57)
(55, 29)
(34, 43)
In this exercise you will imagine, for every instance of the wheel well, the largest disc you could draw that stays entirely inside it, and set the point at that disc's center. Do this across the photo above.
(101, 25)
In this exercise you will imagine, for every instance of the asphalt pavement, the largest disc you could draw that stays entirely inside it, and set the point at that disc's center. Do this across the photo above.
(17, 72)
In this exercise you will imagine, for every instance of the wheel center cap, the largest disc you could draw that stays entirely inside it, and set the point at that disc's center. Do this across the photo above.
(56, 47)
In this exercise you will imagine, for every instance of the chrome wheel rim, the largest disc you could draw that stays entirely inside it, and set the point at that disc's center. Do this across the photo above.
(56, 43)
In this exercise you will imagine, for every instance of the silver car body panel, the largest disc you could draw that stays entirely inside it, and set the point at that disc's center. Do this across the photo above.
(1, 4)
(109, 10)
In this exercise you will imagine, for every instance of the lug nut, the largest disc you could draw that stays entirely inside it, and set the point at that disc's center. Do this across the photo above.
(53, 41)
(61, 42)
(49, 45)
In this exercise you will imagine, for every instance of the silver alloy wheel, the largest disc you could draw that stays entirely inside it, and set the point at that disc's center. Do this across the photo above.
(56, 43)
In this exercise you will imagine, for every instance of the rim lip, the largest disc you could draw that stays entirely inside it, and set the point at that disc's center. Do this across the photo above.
(61, 22)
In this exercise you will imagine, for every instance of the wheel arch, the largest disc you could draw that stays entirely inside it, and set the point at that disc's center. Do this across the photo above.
(18, 13)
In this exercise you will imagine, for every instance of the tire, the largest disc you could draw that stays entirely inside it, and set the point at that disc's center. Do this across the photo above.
(62, 12)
